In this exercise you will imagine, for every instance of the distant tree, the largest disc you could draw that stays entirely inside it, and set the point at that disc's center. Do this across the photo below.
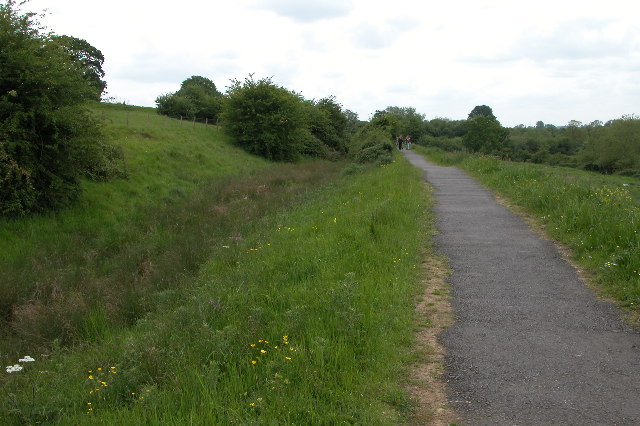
(485, 135)
(206, 84)
(353, 123)
(48, 139)
(265, 119)
(88, 58)
(539, 125)
(388, 123)
(198, 96)
(481, 111)
(614, 149)
(575, 132)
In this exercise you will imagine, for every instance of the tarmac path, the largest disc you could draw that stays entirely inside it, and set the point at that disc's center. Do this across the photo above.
(531, 344)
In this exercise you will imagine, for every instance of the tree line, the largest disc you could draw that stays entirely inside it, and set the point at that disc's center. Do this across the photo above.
(266, 119)
(49, 140)
(611, 147)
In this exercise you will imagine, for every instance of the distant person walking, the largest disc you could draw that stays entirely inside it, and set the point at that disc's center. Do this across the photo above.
(408, 142)
(399, 140)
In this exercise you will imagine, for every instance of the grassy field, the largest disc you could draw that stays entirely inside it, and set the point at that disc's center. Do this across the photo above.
(257, 294)
(596, 216)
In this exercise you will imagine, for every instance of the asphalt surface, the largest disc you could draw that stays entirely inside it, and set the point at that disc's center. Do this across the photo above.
(531, 345)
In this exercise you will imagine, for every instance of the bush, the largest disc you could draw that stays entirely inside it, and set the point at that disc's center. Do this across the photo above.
(328, 122)
(485, 135)
(352, 169)
(616, 148)
(197, 97)
(45, 130)
(265, 119)
(370, 144)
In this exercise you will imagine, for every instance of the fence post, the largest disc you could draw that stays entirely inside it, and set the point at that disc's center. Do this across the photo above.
(194, 121)
(206, 121)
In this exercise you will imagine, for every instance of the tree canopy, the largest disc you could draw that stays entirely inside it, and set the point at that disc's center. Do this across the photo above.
(48, 139)
(484, 132)
(265, 119)
(197, 97)
(481, 111)
(88, 58)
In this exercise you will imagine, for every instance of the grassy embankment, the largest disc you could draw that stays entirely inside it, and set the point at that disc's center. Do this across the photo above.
(68, 276)
(596, 216)
(301, 313)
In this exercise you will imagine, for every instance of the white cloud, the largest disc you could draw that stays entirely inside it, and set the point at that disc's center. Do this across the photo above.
(307, 10)
(552, 61)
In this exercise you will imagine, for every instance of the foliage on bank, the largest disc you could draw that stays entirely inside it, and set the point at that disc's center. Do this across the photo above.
(279, 124)
(197, 97)
(48, 138)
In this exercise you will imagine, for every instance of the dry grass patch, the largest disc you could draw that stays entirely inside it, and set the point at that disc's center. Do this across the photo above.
(433, 314)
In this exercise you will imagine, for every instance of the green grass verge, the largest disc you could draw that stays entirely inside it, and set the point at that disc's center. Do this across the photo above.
(304, 318)
(96, 258)
(596, 216)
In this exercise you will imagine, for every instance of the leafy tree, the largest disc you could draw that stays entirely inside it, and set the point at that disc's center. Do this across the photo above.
(371, 144)
(48, 139)
(485, 135)
(445, 127)
(265, 119)
(328, 123)
(481, 111)
(353, 123)
(389, 123)
(204, 83)
(615, 149)
(88, 58)
(197, 97)
(405, 121)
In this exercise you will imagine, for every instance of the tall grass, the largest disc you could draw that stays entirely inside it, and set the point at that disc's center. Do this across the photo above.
(596, 216)
(303, 318)
(70, 275)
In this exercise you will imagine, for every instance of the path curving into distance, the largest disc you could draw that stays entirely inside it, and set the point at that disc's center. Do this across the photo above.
(531, 344)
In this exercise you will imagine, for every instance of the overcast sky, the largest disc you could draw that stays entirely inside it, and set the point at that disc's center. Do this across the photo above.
(546, 60)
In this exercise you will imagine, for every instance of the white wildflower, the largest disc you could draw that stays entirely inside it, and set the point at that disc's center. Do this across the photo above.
(26, 358)
(14, 368)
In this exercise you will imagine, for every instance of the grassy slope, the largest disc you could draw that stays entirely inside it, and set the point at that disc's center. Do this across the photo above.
(61, 256)
(596, 216)
(322, 281)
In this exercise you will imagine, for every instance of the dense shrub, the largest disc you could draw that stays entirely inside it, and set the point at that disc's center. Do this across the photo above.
(328, 123)
(484, 135)
(197, 97)
(47, 137)
(266, 119)
(370, 145)
(614, 148)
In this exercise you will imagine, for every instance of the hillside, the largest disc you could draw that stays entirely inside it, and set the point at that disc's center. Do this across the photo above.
(55, 266)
